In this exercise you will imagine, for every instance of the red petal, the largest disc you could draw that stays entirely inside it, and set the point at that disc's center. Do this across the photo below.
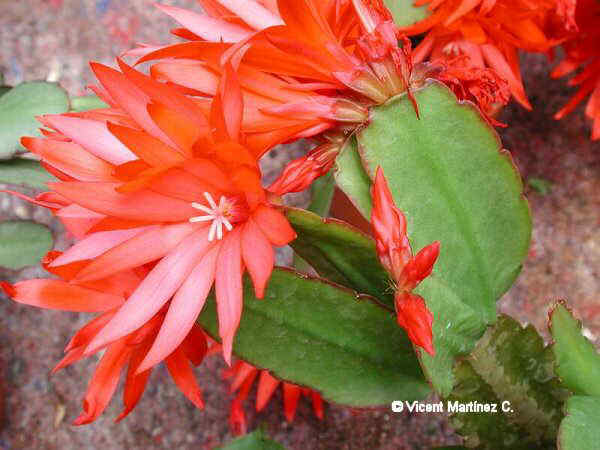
(266, 388)
(274, 225)
(151, 150)
(183, 375)
(58, 294)
(291, 394)
(104, 383)
(258, 255)
(135, 384)
(416, 320)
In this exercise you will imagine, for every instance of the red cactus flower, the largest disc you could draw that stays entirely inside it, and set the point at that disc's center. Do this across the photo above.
(406, 270)
(583, 52)
(106, 296)
(482, 86)
(150, 180)
(242, 376)
(349, 59)
(490, 33)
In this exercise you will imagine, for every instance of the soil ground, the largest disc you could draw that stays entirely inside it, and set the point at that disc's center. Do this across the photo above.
(44, 40)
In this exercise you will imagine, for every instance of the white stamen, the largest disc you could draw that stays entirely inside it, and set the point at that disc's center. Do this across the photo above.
(217, 214)
(212, 203)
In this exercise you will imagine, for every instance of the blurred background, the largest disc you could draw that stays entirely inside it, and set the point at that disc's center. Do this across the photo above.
(54, 40)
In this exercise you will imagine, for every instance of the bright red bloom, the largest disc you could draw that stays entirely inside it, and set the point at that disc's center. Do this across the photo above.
(304, 65)
(483, 87)
(242, 376)
(583, 51)
(490, 33)
(151, 180)
(106, 296)
(406, 270)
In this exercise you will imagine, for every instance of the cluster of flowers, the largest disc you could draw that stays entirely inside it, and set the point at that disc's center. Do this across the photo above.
(469, 36)
(162, 189)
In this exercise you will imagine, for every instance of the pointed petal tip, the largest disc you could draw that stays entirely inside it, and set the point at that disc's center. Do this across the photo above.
(227, 348)
(145, 365)
(83, 419)
(8, 289)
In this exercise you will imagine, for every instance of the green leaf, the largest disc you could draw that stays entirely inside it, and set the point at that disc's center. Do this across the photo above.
(23, 243)
(86, 102)
(18, 109)
(253, 441)
(340, 253)
(24, 172)
(320, 335)
(455, 184)
(405, 13)
(577, 361)
(580, 430)
(509, 364)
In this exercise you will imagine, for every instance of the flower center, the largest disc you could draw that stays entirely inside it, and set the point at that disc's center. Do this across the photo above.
(220, 215)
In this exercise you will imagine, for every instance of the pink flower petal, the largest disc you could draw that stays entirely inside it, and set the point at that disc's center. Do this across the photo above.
(145, 247)
(228, 287)
(70, 158)
(253, 13)
(78, 220)
(141, 205)
(211, 29)
(95, 244)
(155, 290)
(183, 311)
(93, 136)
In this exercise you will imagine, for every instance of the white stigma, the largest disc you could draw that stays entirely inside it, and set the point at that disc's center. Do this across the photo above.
(215, 214)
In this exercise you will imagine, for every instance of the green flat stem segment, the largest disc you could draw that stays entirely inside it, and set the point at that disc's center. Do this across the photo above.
(509, 364)
(450, 176)
(323, 336)
(580, 430)
(19, 107)
(577, 361)
(23, 243)
(405, 12)
(340, 253)
(24, 172)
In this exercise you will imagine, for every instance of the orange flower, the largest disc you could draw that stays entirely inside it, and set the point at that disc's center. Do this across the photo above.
(106, 296)
(243, 375)
(583, 51)
(490, 33)
(406, 270)
(150, 180)
(305, 66)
